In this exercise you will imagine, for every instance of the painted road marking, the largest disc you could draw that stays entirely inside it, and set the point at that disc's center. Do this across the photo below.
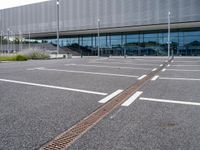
(109, 97)
(161, 65)
(53, 87)
(184, 79)
(184, 70)
(115, 114)
(168, 65)
(35, 68)
(114, 67)
(70, 64)
(164, 70)
(134, 64)
(143, 76)
(93, 73)
(132, 98)
(169, 101)
(186, 65)
(154, 78)
(154, 69)
(187, 61)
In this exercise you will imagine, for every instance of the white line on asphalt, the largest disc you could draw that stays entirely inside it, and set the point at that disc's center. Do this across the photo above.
(101, 59)
(184, 79)
(70, 64)
(143, 76)
(184, 70)
(124, 63)
(154, 69)
(109, 97)
(93, 73)
(186, 65)
(154, 78)
(161, 65)
(53, 87)
(132, 98)
(115, 114)
(169, 101)
(114, 67)
(187, 61)
(164, 70)
(172, 61)
(35, 68)
(168, 65)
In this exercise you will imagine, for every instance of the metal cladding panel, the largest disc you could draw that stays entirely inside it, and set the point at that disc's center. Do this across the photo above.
(83, 14)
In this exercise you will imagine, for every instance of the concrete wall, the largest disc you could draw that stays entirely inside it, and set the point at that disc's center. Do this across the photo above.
(83, 14)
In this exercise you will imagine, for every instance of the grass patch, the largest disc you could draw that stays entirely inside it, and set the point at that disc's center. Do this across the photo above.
(35, 54)
(14, 57)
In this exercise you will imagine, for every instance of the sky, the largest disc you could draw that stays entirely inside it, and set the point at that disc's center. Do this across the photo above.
(13, 3)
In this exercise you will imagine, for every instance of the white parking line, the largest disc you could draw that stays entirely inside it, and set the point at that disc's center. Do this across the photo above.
(143, 76)
(53, 87)
(35, 68)
(186, 65)
(164, 70)
(161, 65)
(154, 69)
(132, 98)
(109, 97)
(183, 70)
(114, 67)
(187, 61)
(184, 79)
(168, 65)
(169, 101)
(134, 64)
(93, 73)
(155, 78)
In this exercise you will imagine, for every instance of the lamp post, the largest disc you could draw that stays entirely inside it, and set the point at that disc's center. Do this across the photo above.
(8, 39)
(168, 34)
(20, 47)
(2, 40)
(58, 24)
(29, 37)
(98, 24)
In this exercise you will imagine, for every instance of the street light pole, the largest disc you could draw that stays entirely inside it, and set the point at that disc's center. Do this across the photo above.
(1, 41)
(20, 41)
(14, 43)
(168, 34)
(58, 24)
(8, 39)
(98, 24)
(29, 37)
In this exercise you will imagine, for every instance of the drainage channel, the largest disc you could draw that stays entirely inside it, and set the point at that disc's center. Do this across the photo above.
(65, 139)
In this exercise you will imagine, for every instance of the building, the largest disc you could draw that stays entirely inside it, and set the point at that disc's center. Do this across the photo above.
(134, 27)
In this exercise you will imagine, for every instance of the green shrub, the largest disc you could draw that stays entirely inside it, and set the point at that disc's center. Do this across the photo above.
(7, 58)
(36, 54)
(21, 58)
(13, 57)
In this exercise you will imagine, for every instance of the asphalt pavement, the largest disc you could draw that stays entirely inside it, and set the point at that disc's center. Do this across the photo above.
(41, 99)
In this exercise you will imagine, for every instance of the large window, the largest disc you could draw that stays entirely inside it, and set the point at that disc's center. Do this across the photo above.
(183, 42)
(132, 40)
(116, 40)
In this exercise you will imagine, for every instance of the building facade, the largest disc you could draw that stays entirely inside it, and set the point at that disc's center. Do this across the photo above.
(132, 27)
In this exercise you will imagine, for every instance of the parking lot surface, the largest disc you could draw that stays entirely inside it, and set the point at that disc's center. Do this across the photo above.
(39, 100)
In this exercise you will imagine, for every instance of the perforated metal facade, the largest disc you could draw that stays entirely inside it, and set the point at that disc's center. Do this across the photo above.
(83, 14)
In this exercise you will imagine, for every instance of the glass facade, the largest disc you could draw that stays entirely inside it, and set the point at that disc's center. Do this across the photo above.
(183, 43)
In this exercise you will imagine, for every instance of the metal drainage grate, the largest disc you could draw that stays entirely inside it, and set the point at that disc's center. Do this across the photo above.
(64, 140)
